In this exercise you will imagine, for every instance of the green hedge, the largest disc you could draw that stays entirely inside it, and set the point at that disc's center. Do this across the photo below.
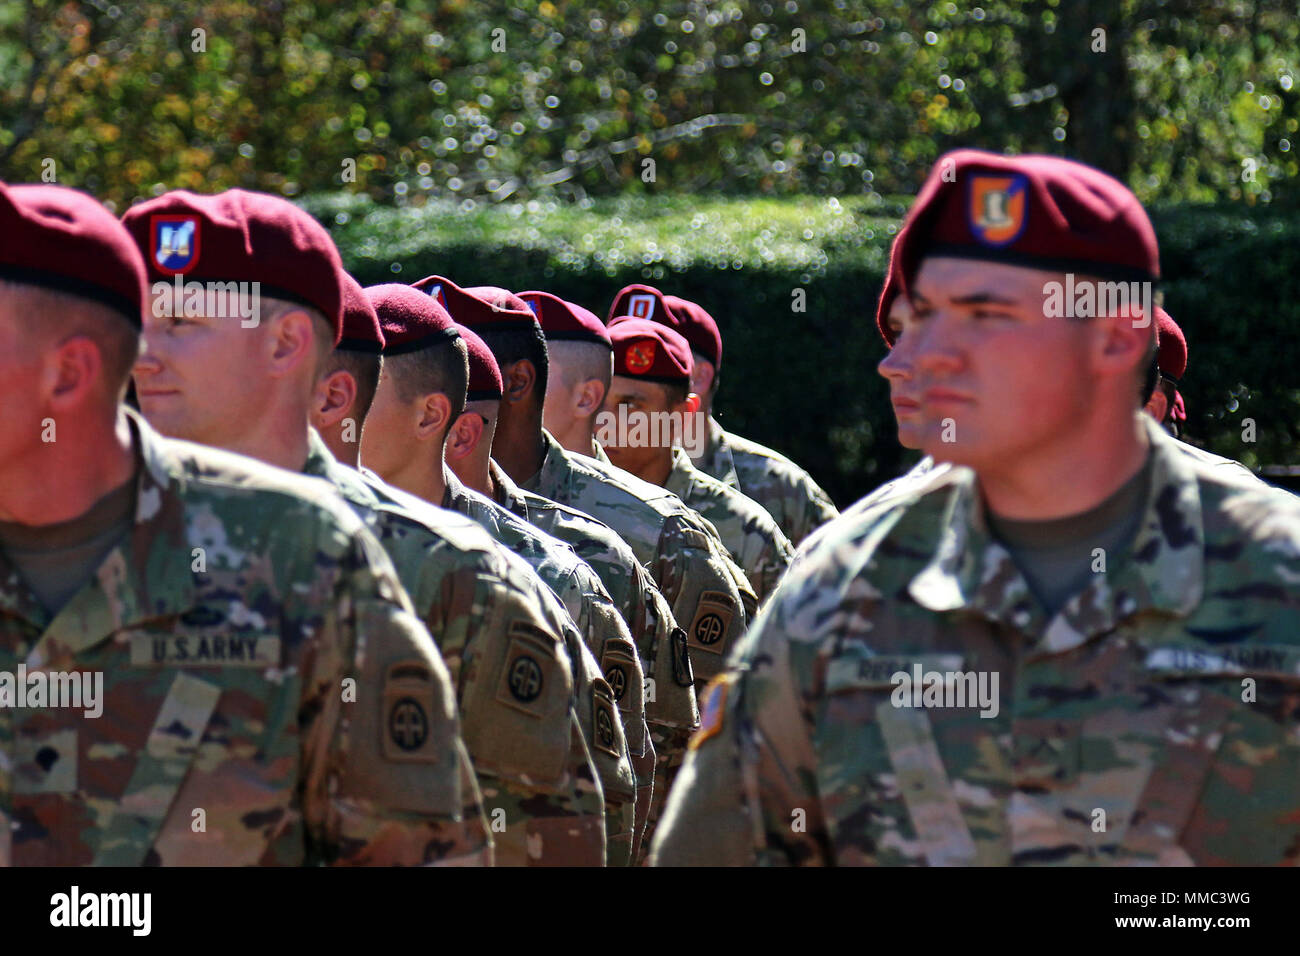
(805, 382)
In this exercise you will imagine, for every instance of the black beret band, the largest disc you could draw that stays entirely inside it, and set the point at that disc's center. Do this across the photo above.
(578, 335)
(56, 282)
(1102, 270)
(448, 334)
(367, 346)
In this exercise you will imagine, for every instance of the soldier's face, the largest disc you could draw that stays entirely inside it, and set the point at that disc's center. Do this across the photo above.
(998, 380)
(651, 423)
(200, 378)
(23, 371)
(897, 368)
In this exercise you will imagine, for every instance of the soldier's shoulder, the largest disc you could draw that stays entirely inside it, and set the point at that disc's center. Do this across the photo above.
(1227, 468)
(437, 528)
(1252, 529)
(626, 490)
(737, 503)
(751, 456)
(251, 491)
(867, 556)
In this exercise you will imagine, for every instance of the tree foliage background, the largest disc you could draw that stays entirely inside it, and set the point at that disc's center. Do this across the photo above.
(492, 100)
(706, 147)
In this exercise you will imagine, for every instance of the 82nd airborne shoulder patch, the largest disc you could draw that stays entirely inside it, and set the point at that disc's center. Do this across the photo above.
(408, 713)
(712, 621)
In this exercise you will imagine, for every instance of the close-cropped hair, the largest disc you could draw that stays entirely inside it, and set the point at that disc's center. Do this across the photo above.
(54, 315)
(443, 367)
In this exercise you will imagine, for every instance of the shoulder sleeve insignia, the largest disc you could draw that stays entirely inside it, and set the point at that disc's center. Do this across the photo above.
(712, 709)
(408, 713)
(604, 720)
(712, 621)
(527, 670)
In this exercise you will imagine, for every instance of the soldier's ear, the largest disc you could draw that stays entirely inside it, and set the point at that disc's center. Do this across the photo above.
(333, 398)
(72, 370)
(588, 398)
(518, 380)
(466, 433)
(435, 417)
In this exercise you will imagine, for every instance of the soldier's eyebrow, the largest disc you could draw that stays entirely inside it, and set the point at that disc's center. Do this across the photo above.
(983, 297)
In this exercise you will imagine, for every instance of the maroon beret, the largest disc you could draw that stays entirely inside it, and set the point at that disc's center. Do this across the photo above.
(641, 302)
(498, 297)
(565, 321)
(410, 320)
(241, 236)
(64, 240)
(697, 327)
(888, 293)
(1042, 212)
(646, 350)
(361, 332)
(484, 375)
(474, 311)
(1172, 358)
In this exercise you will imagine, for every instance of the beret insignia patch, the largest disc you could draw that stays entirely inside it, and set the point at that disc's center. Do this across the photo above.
(998, 207)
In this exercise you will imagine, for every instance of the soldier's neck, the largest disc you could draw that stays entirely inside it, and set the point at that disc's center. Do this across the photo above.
(473, 472)
(62, 479)
(425, 480)
(577, 436)
(517, 445)
(278, 437)
(655, 469)
(1068, 478)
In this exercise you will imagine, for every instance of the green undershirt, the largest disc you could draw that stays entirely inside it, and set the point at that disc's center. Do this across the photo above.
(1057, 556)
(57, 560)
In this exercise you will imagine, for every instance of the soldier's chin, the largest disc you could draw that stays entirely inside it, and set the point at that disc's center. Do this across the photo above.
(953, 452)
(911, 436)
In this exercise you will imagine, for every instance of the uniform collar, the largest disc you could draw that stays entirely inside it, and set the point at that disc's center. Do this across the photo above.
(682, 476)
(1161, 571)
(717, 459)
(456, 495)
(508, 494)
(555, 475)
(146, 577)
(598, 453)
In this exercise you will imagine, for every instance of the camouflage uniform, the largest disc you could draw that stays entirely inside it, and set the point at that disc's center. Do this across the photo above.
(887, 492)
(227, 626)
(787, 491)
(1153, 720)
(503, 644)
(749, 533)
(682, 557)
(670, 706)
(612, 666)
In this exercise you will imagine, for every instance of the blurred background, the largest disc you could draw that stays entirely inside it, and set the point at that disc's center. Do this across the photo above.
(754, 156)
